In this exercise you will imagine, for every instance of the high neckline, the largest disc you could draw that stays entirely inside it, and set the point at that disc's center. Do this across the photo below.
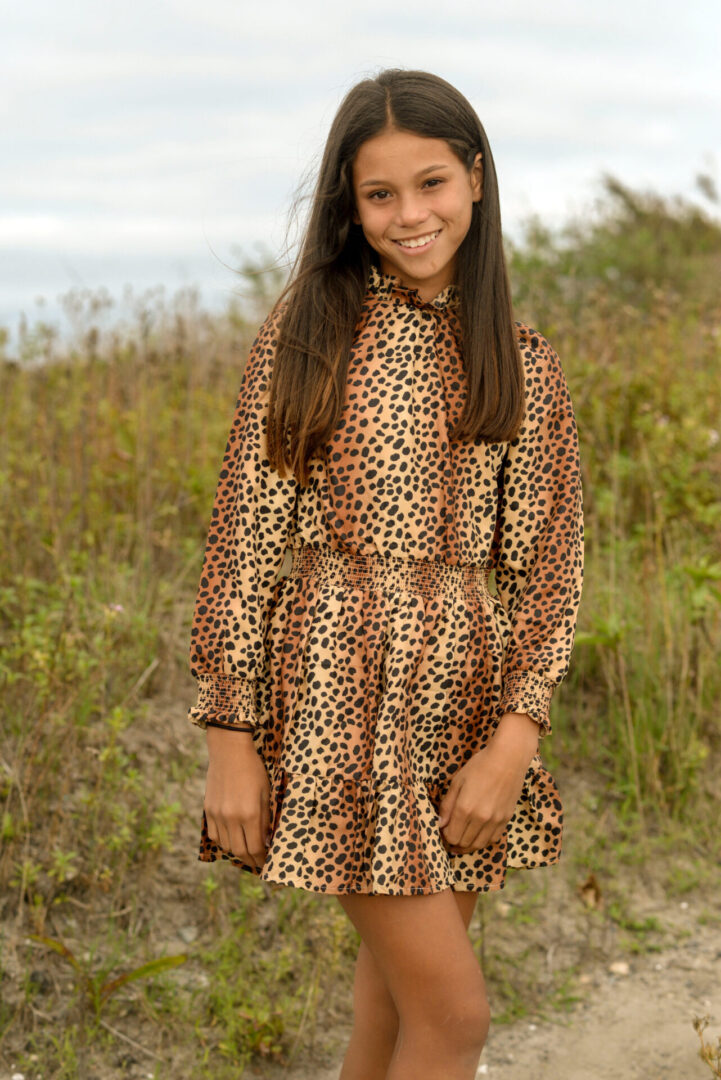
(380, 284)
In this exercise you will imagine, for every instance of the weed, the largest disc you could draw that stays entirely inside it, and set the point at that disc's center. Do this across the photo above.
(708, 1053)
(95, 988)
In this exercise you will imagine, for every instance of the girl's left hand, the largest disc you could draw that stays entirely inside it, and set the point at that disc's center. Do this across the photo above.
(483, 793)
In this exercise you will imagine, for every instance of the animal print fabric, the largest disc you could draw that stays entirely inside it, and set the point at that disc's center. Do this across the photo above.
(382, 661)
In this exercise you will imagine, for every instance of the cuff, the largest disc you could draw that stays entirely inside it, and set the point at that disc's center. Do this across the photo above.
(528, 692)
(224, 699)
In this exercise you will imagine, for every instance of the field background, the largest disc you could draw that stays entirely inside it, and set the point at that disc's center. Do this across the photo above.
(121, 954)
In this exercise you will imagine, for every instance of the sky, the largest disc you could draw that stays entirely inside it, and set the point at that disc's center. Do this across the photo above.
(160, 142)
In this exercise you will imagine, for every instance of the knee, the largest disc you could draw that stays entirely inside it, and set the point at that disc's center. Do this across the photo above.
(458, 1020)
(481, 1021)
(465, 1021)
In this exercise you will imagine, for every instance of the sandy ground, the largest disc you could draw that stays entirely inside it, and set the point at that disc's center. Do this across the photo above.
(629, 1025)
(635, 1025)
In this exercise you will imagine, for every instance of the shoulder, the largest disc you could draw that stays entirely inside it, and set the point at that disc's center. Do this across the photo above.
(267, 334)
(541, 362)
(547, 391)
(260, 355)
(533, 345)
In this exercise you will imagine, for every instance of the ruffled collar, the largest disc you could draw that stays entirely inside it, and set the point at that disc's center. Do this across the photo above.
(389, 285)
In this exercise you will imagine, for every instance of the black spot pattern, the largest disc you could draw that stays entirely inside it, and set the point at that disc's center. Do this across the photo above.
(381, 662)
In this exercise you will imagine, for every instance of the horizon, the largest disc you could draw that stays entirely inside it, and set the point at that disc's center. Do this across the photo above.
(156, 148)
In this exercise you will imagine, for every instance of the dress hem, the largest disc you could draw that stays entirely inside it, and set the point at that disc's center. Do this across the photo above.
(307, 887)
(360, 836)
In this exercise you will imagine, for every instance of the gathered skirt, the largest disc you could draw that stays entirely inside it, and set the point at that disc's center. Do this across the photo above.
(383, 677)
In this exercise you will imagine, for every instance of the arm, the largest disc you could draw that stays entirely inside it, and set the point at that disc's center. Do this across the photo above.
(538, 544)
(252, 520)
(538, 557)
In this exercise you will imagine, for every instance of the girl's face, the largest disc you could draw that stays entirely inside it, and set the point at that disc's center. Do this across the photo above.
(413, 200)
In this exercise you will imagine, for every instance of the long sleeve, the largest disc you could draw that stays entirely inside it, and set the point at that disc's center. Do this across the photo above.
(538, 545)
(252, 521)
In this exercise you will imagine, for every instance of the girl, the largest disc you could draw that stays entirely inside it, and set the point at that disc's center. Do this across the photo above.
(373, 718)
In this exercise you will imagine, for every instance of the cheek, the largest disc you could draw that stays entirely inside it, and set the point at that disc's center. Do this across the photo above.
(372, 221)
(462, 215)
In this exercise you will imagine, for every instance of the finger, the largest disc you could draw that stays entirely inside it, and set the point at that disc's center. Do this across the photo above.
(241, 846)
(466, 848)
(465, 841)
(255, 838)
(211, 828)
(265, 818)
(224, 833)
(487, 835)
(216, 829)
(476, 833)
(461, 827)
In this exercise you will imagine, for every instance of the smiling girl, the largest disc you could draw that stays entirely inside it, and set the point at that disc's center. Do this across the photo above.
(415, 215)
(373, 717)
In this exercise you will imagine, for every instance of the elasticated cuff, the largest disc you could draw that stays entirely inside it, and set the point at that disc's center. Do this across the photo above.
(529, 692)
(224, 699)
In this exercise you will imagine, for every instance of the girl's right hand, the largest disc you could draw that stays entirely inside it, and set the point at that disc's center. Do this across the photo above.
(237, 795)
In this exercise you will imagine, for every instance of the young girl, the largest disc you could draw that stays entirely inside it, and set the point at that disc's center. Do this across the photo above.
(373, 718)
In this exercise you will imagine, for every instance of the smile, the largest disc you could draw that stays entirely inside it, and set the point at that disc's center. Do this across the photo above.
(418, 242)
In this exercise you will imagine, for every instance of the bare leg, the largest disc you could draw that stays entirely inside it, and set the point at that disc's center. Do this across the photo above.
(376, 1022)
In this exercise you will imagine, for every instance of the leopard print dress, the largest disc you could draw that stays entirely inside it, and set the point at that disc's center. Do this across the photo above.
(381, 661)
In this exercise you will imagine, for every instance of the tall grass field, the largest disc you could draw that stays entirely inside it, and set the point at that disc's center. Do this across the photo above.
(121, 954)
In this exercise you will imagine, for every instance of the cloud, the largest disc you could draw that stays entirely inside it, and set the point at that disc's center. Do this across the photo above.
(135, 135)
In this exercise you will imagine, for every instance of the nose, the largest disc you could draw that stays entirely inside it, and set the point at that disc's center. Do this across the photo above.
(410, 211)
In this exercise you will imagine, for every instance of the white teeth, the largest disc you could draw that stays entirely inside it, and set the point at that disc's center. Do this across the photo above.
(420, 241)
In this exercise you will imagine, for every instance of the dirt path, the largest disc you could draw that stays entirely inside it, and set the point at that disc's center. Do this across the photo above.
(634, 1025)
(631, 1024)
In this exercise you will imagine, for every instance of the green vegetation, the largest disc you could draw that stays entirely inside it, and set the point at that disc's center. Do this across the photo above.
(108, 464)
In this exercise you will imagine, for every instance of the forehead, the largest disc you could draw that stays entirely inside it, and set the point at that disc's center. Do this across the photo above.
(400, 153)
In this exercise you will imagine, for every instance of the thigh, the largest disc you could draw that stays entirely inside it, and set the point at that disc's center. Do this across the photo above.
(371, 989)
(466, 902)
(419, 945)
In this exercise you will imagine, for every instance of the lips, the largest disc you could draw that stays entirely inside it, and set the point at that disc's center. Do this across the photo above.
(417, 241)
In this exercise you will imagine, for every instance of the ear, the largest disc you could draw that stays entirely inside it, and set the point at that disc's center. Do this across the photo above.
(477, 177)
(355, 218)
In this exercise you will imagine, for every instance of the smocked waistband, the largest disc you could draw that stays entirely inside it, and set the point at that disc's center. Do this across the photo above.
(427, 577)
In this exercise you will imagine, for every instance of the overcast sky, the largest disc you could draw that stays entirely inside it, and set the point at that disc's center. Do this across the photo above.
(147, 142)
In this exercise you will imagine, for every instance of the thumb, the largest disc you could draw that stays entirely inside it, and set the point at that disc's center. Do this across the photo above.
(446, 807)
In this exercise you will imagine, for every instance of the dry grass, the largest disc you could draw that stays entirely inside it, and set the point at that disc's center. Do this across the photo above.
(108, 464)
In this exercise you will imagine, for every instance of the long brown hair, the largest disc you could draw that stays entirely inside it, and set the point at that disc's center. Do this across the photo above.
(319, 308)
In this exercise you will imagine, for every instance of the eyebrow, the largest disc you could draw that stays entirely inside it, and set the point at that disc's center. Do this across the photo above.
(431, 168)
